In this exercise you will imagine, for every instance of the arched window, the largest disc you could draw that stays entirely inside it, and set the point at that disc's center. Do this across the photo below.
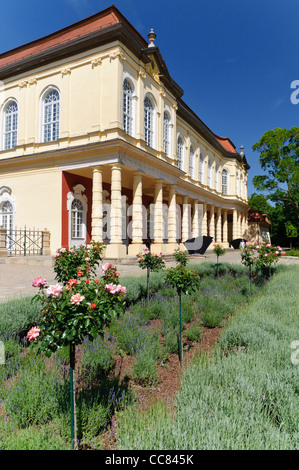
(77, 219)
(237, 183)
(224, 182)
(191, 162)
(7, 215)
(148, 122)
(180, 153)
(210, 174)
(166, 133)
(201, 169)
(10, 125)
(50, 115)
(77, 208)
(127, 107)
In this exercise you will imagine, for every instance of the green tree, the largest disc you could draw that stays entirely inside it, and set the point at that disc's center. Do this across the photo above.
(291, 232)
(260, 203)
(279, 159)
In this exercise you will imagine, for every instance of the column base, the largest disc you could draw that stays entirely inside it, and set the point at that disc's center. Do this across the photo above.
(157, 248)
(115, 250)
(135, 248)
(169, 248)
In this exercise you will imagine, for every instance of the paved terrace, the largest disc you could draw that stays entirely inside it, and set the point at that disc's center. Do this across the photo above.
(17, 274)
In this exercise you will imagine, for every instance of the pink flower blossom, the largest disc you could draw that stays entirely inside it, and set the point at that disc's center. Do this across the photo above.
(76, 299)
(54, 291)
(33, 333)
(106, 266)
(39, 282)
(146, 251)
(268, 245)
(116, 289)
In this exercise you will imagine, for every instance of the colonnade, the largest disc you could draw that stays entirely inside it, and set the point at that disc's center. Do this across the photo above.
(184, 220)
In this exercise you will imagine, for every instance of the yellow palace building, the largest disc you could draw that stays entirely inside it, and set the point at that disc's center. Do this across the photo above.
(96, 143)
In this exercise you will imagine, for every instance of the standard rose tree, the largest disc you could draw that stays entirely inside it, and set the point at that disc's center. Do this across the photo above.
(78, 307)
(150, 262)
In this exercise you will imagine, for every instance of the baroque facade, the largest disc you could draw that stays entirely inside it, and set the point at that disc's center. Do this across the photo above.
(98, 144)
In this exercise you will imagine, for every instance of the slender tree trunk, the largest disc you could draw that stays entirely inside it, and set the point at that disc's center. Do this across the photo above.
(73, 398)
(147, 286)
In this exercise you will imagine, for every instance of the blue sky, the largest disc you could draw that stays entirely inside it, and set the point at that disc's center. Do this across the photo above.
(234, 59)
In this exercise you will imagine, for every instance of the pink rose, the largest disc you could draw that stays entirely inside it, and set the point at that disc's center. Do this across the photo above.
(33, 333)
(54, 291)
(39, 282)
(76, 299)
(146, 251)
(106, 266)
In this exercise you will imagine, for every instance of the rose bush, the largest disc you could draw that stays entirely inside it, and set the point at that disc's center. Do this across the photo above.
(79, 308)
(77, 262)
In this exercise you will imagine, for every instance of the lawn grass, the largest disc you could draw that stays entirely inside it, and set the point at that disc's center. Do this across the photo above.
(244, 397)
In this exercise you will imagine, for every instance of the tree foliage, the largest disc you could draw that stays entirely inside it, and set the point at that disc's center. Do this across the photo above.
(279, 158)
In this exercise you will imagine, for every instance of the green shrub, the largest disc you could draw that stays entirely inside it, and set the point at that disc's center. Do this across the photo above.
(171, 342)
(18, 315)
(145, 370)
(97, 356)
(45, 437)
(36, 396)
(212, 319)
(194, 333)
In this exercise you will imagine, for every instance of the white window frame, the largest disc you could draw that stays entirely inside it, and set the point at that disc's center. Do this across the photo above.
(6, 197)
(201, 168)
(51, 123)
(150, 131)
(225, 186)
(181, 152)
(192, 162)
(209, 181)
(13, 133)
(167, 137)
(77, 194)
(127, 107)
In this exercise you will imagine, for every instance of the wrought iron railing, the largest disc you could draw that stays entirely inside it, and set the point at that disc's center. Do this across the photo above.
(24, 242)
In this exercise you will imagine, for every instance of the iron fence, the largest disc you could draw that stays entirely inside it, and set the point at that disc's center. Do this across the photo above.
(24, 242)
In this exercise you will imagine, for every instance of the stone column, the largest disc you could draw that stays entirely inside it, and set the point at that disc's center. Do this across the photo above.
(218, 226)
(225, 227)
(204, 220)
(116, 249)
(137, 219)
(157, 246)
(172, 220)
(185, 219)
(46, 243)
(212, 223)
(97, 205)
(195, 219)
(235, 224)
